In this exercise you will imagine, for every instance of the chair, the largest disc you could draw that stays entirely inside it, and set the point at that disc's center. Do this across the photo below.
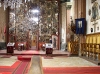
(93, 47)
(87, 46)
(83, 49)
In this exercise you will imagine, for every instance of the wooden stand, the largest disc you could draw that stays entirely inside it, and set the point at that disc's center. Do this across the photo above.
(21, 47)
(49, 48)
(10, 47)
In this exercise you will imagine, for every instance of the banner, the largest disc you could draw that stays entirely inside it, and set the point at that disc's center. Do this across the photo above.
(80, 26)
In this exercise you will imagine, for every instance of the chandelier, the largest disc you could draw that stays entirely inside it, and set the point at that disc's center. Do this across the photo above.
(12, 3)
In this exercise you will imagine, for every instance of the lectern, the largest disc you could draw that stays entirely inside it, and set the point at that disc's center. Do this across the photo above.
(49, 48)
(21, 46)
(10, 47)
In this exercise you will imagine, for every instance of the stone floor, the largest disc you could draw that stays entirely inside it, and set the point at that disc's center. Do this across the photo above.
(4, 51)
(66, 62)
(7, 61)
(57, 61)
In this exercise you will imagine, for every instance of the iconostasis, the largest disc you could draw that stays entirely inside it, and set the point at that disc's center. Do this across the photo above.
(2, 24)
(40, 16)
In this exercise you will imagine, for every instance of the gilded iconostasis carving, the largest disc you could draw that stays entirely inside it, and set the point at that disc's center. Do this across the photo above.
(2, 24)
(93, 16)
(43, 22)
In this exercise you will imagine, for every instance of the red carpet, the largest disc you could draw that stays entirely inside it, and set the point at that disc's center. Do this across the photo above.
(6, 73)
(30, 52)
(71, 70)
(9, 69)
(24, 57)
(21, 69)
(6, 69)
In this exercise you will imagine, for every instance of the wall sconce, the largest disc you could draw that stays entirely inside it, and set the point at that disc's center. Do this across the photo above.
(68, 5)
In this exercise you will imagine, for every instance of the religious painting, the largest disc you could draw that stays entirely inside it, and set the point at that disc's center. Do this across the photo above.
(55, 41)
(44, 29)
(95, 12)
(93, 16)
(79, 24)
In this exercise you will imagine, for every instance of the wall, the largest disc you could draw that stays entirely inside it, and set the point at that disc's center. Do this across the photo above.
(80, 9)
(93, 23)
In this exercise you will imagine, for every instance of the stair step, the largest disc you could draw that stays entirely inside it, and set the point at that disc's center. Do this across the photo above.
(24, 57)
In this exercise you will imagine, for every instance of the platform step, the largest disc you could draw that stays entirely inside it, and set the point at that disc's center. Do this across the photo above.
(24, 57)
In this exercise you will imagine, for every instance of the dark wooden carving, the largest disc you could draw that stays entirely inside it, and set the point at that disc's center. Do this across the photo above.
(73, 27)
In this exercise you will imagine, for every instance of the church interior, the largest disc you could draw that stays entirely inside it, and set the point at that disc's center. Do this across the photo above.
(49, 37)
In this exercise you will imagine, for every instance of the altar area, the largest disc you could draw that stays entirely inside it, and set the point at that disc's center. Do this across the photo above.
(36, 52)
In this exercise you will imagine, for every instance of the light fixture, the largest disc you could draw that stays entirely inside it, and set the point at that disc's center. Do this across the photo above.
(35, 11)
(34, 19)
(12, 3)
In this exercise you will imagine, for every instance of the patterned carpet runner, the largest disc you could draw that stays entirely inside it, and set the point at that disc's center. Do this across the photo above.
(9, 69)
(19, 67)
